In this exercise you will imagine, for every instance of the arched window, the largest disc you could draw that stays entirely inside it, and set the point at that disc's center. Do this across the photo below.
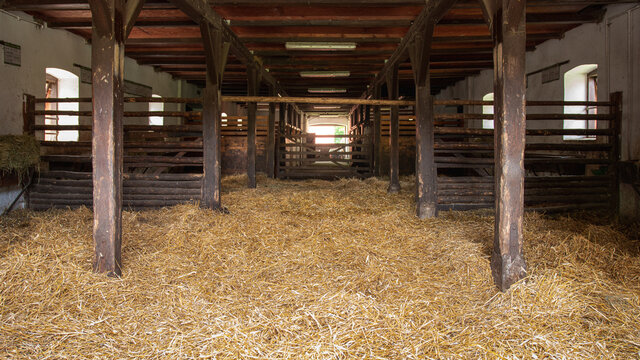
(61, 83)
(487, 109)
(581, 84)
(156, 106)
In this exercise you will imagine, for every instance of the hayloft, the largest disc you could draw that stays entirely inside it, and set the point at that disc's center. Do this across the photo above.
(316, 179)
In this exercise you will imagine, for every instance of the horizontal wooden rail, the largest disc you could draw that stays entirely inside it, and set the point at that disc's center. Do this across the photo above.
(466, 116)
(324, 100)
(529, 103)
(530, 132)
(126, 100)
(345, 136)
(458, 146)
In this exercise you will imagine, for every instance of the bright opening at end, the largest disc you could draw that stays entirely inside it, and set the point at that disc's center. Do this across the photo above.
(328, 130)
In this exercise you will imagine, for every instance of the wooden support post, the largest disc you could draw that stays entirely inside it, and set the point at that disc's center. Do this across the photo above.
(316, 100)
(253, 84)
(394, 133)
(377, 135)
(614, 156)
(29, 114)
(271, 137)
(216, 50)
(290, 113)
(111, 22)
(368, 140)
(426, 172)
(361, 118)
(305, 123)
(280, 140)
(509, 36)
(367, 115)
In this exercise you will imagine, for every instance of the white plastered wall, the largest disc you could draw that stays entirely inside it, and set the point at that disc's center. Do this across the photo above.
(614, 45)
(43, 48)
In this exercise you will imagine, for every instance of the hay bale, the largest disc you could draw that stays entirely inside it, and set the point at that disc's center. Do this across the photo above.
(18, 153)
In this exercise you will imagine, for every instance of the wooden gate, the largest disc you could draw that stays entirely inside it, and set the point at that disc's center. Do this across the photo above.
(303, 156)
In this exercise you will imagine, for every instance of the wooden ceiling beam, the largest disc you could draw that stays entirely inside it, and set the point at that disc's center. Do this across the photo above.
(320, 32)
(307, 11)
(86, 24)
(357, 39)
(407, 2)
(589, 15)
(322, 23)
(43, 5)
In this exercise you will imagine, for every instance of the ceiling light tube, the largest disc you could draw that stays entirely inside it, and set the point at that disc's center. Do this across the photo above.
(324, 74)
(320, 46)
(331, 116)
(327, 91)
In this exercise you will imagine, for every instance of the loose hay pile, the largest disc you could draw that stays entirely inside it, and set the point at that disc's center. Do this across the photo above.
(18, 153)
(314, 270)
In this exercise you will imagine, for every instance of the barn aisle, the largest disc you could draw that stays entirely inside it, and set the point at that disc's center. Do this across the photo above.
(315, 270)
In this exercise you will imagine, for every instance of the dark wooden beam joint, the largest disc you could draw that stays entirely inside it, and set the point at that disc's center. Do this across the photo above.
(216, 53)
(132, 10)
(432, 12)
(201, 12)
(508, 19)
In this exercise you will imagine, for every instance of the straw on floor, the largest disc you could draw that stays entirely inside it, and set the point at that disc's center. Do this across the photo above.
(315, 270)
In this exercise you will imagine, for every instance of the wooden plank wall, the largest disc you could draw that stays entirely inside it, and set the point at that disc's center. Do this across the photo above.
(561, 175)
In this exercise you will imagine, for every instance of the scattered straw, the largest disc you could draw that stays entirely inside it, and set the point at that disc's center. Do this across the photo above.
(317, 270)
(18, 153)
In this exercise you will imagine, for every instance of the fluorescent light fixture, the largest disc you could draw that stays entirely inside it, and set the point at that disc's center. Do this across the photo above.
(327, 91)
(327, 114)
(331, 116)
(327, 107)
(320, 46)
(324, 74)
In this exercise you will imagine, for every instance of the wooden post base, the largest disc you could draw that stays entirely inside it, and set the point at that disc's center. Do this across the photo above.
(507, 269)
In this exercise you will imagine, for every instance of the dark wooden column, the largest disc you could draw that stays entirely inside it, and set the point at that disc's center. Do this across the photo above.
(271, 137)
(216, 50)
(253, 84)
(614, 154)
(426, 173)
(112, 21)
(394, 132)
(377, 135)
(282, 119)
(305, 123)
(509, 36)
(290, 115)
(368, 138)
(29, 114)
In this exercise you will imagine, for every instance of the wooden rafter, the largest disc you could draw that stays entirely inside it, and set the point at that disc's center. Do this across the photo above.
(200, 11)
